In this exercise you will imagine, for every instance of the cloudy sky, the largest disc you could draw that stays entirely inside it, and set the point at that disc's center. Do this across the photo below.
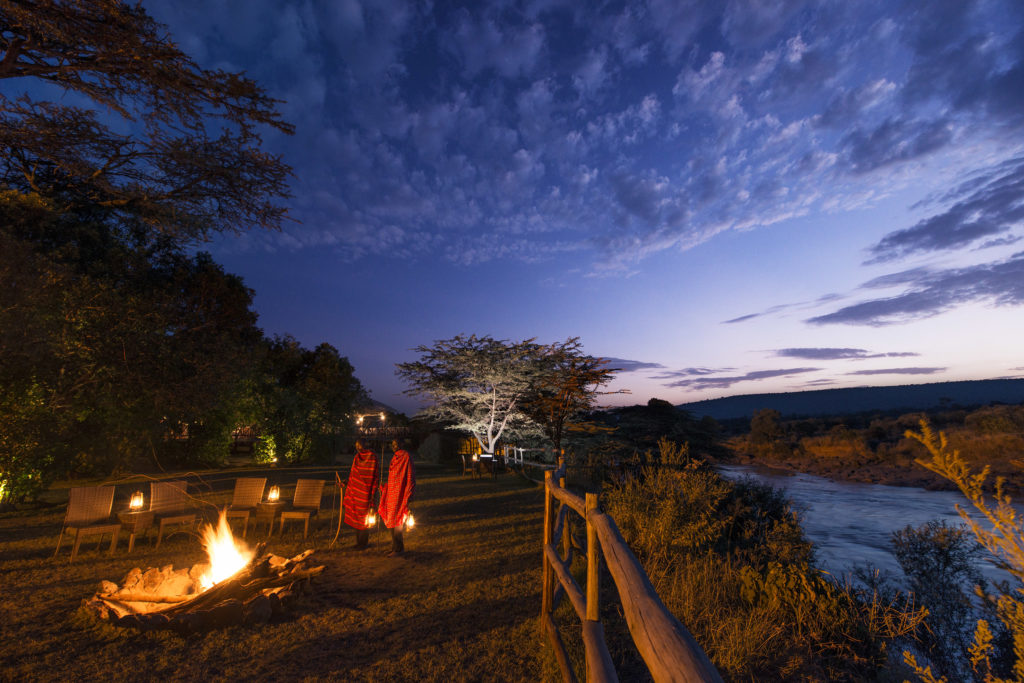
(724, 197)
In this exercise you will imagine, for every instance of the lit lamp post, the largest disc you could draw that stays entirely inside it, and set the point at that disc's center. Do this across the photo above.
(136, 502)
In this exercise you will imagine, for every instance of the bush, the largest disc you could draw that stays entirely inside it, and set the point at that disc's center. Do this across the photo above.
(997, 651)
(939, 562)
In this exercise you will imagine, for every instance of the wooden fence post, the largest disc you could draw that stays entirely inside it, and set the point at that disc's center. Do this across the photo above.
(593, 574)
(547, 581)
(566, 528)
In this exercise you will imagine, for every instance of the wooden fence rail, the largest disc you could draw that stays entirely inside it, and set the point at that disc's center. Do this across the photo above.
(667, 648)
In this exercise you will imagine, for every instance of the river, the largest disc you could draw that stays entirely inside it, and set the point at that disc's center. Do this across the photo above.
(851, 524)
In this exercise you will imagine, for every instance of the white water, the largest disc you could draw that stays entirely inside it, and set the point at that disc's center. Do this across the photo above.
(851, 524)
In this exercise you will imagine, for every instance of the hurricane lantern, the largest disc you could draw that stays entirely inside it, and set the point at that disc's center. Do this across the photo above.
(410, 522)
(371, 519)
(136, 502)
(274, 494)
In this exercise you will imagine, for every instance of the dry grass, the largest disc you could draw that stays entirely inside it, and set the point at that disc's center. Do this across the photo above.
(461, 605)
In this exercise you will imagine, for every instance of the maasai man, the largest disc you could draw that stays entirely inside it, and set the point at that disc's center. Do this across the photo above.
(395, 496)
(363, 479)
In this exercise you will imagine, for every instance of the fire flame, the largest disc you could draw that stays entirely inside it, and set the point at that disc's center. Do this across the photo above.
(227, 555)
(410, 522)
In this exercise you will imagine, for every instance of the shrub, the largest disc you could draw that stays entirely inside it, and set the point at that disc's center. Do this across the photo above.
(997, 650)
(939, 562)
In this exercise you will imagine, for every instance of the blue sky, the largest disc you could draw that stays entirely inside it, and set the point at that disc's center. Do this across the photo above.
(725, 197)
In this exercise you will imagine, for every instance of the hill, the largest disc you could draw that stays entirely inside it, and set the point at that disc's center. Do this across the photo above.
(906, 398)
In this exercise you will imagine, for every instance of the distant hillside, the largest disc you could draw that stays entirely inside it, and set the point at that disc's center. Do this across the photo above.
(864, 399)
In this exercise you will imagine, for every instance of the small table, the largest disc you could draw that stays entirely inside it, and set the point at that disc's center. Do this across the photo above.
(135, 522)
(267, 512)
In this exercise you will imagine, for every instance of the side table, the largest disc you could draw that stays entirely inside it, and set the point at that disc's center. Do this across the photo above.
(134, 523)
(267, 512)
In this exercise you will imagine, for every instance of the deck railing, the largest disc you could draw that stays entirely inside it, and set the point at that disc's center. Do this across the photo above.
(667, 648)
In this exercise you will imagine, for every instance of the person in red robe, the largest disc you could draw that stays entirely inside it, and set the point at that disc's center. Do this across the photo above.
(395, 496)
(363, 479)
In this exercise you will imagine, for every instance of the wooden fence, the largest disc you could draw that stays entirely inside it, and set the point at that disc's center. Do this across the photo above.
(668, 649)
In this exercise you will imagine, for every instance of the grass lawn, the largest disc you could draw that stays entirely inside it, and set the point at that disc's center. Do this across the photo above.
(462, 604)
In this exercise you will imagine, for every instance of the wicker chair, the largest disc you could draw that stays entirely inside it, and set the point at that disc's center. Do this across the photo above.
(305, 503)
(89, 515)
(169, 502)
(248, 493)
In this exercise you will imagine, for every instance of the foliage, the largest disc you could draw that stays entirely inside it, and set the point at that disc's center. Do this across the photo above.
(730, 560)
(1004, 541)
(567, 387)
(264, 450)
(940, 563)
(190, 163)
(305, 401)
(477, 384)
(112, 347)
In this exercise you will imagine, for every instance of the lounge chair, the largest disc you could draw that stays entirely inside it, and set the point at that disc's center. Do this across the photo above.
(305, 503)
(248, 493)
(89, 515)
(169, 502)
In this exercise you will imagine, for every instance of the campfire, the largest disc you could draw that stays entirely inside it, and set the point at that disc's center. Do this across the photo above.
(234, 587)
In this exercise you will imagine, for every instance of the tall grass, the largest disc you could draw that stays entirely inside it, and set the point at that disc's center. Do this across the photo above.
(731, 562)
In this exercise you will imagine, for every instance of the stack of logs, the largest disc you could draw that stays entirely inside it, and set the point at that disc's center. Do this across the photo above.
(165, 598)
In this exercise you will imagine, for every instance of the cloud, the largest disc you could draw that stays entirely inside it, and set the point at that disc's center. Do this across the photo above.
(621, 128)
(691, 372)
(632, 365)
(899, 371)
(707, 382)
(894, 140)
(933, 292)
(987, 205)
(839, 354)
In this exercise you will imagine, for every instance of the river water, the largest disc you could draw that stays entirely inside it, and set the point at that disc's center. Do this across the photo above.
(851, 524)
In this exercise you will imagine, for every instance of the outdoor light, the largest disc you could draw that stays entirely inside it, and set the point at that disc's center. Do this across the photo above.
(410, 522)
(475, 457)
(136, 502)
(371, 519)
(274, 494)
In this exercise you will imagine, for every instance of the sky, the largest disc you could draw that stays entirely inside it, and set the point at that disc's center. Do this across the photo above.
(723, 198)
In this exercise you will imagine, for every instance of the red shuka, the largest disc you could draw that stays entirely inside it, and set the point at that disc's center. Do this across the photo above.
(394, 501)
(362, 480)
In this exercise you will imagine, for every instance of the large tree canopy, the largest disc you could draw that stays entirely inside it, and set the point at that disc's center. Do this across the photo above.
(117, 154)
(476, 384)
(495, 388)
(306, 400)
(568, 386)
(166, 142)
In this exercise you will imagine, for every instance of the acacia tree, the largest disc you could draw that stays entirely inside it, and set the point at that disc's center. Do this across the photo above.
(566, 387)
(477, 384)
(192, 163)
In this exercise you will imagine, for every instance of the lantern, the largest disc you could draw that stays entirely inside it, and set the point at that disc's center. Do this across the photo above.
(371, 519)
(136, 503)
(274, 494)
(410, 522)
